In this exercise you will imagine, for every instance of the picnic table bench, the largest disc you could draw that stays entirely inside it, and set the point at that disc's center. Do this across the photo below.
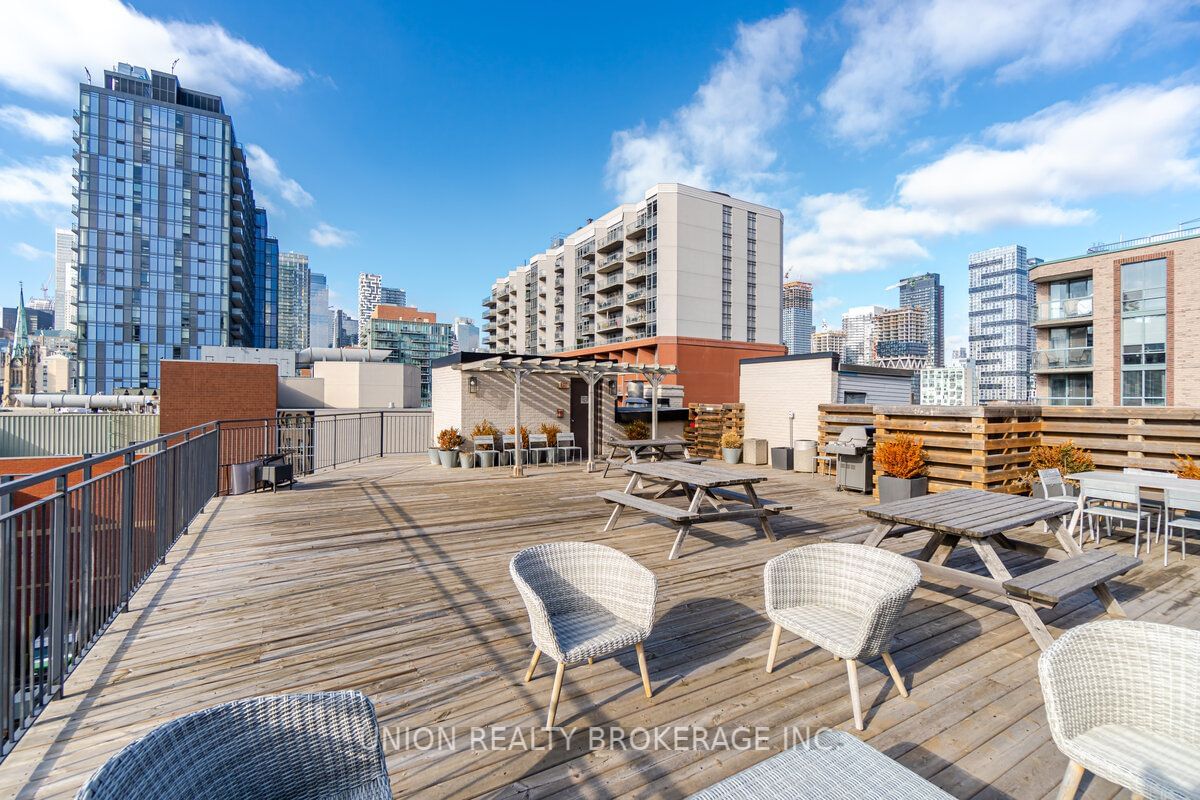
(984, 520)
(702, 484)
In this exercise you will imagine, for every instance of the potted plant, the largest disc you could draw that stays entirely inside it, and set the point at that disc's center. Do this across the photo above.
(1186, 467)
(433, 455)
(524, 436)
(901, 459)
(731, 447)
(551, 431)
(636, 429)
(449, 440)
(1066, 458)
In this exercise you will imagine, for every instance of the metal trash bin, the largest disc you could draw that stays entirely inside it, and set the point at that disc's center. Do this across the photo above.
(242, 477)
(805, 455)
(781, 458)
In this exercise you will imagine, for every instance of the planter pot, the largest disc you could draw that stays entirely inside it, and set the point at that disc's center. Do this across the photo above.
(448, 458)
(433, 455)
(733, 455)
(487, 458)
(466, 460)
(893, 489)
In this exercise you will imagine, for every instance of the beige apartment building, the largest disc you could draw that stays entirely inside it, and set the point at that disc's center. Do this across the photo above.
(1115, 326)
(681, 263)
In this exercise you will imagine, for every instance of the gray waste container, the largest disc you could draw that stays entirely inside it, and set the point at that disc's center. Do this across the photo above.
(781, 458)
(241, 477)
(806, 452)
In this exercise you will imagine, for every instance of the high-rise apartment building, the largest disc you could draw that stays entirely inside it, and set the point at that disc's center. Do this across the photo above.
(371, 293)
(320, 320)
(927, 293)
(1114, 325)
(66, 279)
(682, 262)
(797, 316)
(898, 339)
(295, 285)
(1001, 310)
(829, 340)
(346, 328)
(949, 386)
(266, 282)
(465, 335)
(166, 226)
(859, 326)
(413, 337)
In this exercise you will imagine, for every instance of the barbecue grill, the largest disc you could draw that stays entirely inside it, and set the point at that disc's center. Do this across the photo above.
(853, 449)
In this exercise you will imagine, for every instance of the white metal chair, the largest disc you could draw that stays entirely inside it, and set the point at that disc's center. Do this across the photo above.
(1056, 490)
(508, 446)
(845, 598)
(485, 444)
(1123, 702)
(539, 447)
(566, 443)
(1153, 504)
(1186, 500)
(1114, 498)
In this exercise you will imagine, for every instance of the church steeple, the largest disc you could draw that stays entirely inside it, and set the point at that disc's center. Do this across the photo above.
(21, 330)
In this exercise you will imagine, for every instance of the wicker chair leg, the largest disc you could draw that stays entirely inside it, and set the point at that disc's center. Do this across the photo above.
(532, 664)
(591, 661)
(891, 665)
(1070, 781)
(558, 681)
(641, 654)
(855, 702)
(775, 634)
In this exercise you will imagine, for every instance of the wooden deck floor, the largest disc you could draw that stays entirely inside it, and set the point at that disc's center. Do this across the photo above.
(392, 577)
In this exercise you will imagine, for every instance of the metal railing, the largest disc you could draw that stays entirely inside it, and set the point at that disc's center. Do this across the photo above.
(1070, 308)
(77, 541)
(1062, 358)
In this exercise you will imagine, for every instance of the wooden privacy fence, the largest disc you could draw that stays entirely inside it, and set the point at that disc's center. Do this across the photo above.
(988, 447)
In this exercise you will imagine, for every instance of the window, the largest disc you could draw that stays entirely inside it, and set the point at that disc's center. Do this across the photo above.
(1144, 333)
(854, 398)
(726, 272)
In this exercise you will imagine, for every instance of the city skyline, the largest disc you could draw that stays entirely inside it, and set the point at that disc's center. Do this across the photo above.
(832, 174)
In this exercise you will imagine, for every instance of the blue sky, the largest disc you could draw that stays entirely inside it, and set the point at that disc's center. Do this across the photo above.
(442, 147)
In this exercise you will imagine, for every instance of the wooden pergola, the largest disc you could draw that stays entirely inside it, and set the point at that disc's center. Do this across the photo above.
(519, 367)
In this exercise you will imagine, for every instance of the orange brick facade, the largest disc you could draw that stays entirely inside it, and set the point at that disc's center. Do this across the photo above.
(402, 314)
(195, 392)
(709, 369)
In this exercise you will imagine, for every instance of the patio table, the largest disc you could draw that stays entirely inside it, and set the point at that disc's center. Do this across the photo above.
(635, 450)
(1142, 480)
(701, 483)
(984, 519)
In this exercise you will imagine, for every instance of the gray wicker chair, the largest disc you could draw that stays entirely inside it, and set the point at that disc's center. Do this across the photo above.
(585, 601)
(1123, 702)
(294, 746)
(845, 598)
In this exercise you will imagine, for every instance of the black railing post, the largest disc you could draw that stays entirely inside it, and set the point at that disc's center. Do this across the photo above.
(162, 504)
(84, 614)
(126, 555)
(58, 587)
(381, 439)
(8, 574)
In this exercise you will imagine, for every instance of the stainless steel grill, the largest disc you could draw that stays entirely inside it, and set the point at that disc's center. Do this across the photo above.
(853, 449)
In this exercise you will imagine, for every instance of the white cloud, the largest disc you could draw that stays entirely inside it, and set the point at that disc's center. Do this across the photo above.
(325, 235)
(904, 54)
(50, 128)
(45, 45)
(42, 185)
(720, 137)
(824, 304)
(28, 252)
(1038, 171)
(265, 171)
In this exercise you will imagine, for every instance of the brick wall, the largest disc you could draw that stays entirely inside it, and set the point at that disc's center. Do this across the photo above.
(195, 392)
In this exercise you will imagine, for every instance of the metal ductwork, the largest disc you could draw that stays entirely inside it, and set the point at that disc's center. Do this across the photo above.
(94, 402)
(312, 354)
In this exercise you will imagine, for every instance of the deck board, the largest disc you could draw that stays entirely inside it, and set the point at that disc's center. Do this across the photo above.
(392, 577)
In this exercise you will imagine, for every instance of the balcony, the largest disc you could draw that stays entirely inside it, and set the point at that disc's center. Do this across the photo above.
(612, 302)
(489, 301)
(612, 240)
(613, 261)
(637, 228)
(1064, 359)
(237, 266)
(586, 309)
(558, 281)
(638, 318)
(1062, 401)
(237, 299)
(1071, 310)
(611, 322)
(636, 274)
(611, 281)
(585, 289)
(637, 296)
(584, 328)
(636, 251)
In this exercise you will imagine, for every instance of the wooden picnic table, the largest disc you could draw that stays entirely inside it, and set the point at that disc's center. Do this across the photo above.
(636, 449)
(983, 520)
(701, 483)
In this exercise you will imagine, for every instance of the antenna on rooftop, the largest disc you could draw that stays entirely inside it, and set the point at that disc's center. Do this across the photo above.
(88, 72)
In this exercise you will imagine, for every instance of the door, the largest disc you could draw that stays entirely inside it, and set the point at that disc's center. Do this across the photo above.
(579, 414)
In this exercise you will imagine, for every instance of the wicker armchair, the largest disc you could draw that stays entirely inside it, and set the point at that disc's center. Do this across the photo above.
(1123, 702)
(298, 746)
(845, 598)
(585, 601)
